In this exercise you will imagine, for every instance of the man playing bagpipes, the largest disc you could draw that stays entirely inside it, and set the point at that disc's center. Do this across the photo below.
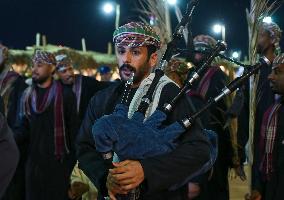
(136, 50)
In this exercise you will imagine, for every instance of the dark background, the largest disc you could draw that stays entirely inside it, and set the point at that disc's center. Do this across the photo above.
(65, 22)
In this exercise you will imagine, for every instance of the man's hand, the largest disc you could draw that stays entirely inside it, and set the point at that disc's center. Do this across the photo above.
(240, 172)
(126, 176)
(77, 189)
(255, 195)
(113, 187)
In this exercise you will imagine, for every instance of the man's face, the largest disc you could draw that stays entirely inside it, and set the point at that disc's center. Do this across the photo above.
(106, 76)
(66, 75)
(41, 72)
(277, 79)
(264, 41)
(198, 58)
(135, 60)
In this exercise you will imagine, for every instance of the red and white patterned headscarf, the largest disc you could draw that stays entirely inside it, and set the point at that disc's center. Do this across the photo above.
(44, 57)
(136, 34)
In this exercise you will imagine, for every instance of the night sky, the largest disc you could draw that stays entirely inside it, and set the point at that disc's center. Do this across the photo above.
(65, 22)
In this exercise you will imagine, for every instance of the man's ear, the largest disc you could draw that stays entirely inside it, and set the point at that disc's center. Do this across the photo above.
(53, 69)
(153, 59)
(272, 40)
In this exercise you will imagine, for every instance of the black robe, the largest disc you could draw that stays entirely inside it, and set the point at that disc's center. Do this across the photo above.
(265, 98)
(47, 177)
(90, 86)
(218, 185)
(273, 188)
(161, 172)
(9, 154)
(16, 189)
(18, 86)
(1, 105)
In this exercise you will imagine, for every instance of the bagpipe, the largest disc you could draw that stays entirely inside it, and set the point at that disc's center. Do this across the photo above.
(117, 133)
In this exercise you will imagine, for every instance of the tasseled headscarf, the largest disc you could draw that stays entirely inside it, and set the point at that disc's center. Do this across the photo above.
(136, 34)
(202, 42)
(63, 61)
(275, 33)
(44, 57)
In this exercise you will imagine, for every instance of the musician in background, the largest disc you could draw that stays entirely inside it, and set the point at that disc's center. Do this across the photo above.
(209, 86)
(136, 50)
(84, 87)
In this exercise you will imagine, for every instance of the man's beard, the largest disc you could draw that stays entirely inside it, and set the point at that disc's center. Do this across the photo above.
(198, 63)
(69, 81)
(40, 80)
(199, 60)
(138, 74)
(261, 49)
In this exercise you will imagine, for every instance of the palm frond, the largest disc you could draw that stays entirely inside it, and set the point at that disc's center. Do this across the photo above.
(157, 9)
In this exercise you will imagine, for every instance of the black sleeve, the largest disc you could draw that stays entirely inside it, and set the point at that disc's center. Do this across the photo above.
(9, 155)
(90, 161)
(218, 82)
(14, 100)
(1, 105)
(243, 124)
(94, 85)
(70, 116)
(163, 171)
(21, 128)
(257, 182)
